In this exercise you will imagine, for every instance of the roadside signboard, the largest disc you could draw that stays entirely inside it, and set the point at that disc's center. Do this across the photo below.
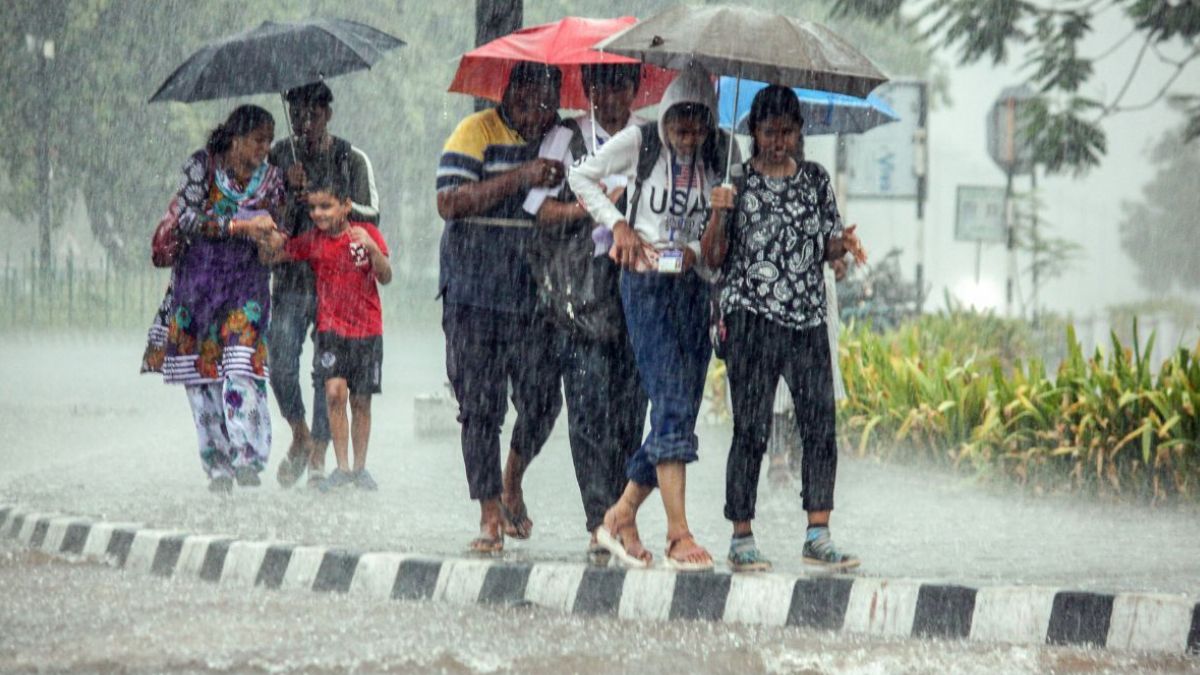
(883, 162)
(979, 215)
(1008, 140)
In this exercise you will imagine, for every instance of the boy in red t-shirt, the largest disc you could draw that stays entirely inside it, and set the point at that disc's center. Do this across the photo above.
(347, 259)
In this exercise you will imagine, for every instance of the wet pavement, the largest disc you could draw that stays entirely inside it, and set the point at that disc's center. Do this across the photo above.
(81, 433)
(135, 623)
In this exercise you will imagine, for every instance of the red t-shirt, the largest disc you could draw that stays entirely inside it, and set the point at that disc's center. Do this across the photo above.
(347, 295)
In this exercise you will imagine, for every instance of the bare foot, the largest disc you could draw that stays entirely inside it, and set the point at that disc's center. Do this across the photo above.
(512, 498)
(633, 543)
(490, 540)
(516, 518)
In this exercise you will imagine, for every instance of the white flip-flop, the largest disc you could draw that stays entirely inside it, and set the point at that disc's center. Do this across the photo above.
(615, 547)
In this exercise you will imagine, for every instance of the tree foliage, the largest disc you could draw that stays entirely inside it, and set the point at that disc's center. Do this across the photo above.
(1065, 123)
(1159, 231)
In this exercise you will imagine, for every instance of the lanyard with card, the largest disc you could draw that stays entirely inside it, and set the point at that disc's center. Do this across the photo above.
(670, 260)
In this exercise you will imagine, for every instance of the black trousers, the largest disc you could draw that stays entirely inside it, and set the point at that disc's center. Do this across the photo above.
(606, 416)
(759, 352)
(486, 350)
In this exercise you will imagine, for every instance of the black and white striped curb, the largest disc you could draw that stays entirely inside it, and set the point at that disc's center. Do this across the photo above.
(889, 607)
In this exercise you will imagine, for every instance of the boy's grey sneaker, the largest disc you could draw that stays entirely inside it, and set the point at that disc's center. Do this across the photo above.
(748, 560)
(819, 550)
(363, 481)
(246, 477)
(221, 485)
(315, 478)
(337, 479)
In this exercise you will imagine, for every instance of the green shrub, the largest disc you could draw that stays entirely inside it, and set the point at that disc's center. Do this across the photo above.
(1102, 424)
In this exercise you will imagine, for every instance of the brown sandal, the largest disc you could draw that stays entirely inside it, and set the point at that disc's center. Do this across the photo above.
(685, 565)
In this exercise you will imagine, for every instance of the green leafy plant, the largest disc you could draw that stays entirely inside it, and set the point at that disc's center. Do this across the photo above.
(1105, 423)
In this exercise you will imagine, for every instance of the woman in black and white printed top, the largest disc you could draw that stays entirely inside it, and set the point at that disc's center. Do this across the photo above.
(771, 242)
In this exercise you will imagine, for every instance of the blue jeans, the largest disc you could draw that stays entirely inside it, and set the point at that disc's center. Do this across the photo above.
(291, 316)
(667, 316)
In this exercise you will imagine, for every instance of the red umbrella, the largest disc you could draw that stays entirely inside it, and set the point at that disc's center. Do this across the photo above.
(566, 43)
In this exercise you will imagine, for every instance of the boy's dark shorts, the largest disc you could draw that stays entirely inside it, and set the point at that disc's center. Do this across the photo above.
(359, 361)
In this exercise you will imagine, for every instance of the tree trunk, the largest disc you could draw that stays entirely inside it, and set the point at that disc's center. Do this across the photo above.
(493, 19)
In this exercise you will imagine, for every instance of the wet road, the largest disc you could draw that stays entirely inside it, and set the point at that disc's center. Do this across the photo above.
(126, 626)
(81, 433)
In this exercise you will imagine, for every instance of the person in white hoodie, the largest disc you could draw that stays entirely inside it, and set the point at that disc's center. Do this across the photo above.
(671, 168)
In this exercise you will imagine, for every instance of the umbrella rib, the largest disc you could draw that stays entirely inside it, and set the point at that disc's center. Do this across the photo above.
(343, 40)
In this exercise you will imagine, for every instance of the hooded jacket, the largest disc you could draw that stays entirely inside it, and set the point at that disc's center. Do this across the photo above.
(661, 203)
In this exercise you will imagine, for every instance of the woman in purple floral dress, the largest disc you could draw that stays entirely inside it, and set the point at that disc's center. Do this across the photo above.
(219, 306)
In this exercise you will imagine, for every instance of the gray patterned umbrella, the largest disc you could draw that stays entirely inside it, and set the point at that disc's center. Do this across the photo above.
(274, 58)
(752, 44)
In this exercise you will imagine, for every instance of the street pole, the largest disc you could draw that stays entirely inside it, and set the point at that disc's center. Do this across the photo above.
(1010, 219)
(1033, 237)
(1010, 222)
(921, 162)
(493, 19)
(1009, 146)
(43, 51)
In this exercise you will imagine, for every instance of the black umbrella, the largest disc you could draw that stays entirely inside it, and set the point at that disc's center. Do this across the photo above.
(274, 58)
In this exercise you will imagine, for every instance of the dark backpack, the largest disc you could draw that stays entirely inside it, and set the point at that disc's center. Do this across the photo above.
(580, 291)
(577, 291)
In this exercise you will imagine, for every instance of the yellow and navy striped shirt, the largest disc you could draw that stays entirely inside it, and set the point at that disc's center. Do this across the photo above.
(485, 265)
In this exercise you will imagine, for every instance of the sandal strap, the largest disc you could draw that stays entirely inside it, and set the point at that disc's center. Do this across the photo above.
(671, 542)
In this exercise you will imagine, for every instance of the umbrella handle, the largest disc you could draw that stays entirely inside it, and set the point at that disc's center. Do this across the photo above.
(287, 119)
(737, 89)
(592, 112)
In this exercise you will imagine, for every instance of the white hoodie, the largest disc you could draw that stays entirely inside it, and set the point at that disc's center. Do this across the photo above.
(619, 156)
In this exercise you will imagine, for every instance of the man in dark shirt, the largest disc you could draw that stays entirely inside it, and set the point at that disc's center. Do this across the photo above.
(493, 333)
(309, 156)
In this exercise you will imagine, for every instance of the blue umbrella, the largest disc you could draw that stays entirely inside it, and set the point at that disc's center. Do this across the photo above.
(824, 112)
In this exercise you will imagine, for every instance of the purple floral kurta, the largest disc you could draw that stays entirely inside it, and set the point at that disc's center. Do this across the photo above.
(218, 314)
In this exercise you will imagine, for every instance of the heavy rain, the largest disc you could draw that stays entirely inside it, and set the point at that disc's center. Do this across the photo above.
(896, 298)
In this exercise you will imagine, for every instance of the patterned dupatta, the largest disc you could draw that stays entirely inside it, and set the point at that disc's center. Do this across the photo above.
(226, 196)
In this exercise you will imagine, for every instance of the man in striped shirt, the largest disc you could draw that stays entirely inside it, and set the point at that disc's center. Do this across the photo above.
(494, 334)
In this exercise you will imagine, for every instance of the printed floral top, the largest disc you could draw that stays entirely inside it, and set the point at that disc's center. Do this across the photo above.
(777, 239)
(219, 307)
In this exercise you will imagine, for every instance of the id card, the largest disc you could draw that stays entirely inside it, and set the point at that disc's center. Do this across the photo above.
(670, 261)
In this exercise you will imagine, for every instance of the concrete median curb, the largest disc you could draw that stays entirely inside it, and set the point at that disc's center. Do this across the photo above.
(855, 604)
